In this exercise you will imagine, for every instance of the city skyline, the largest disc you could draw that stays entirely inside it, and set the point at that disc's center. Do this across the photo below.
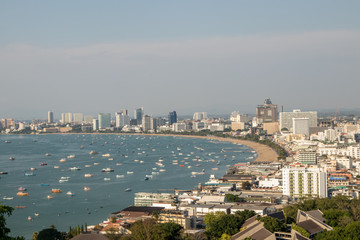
(204, 56)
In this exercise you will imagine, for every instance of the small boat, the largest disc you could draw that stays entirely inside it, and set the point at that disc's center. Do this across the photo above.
(162, 170)
(11, 158)
(107, 179)
(146, 178)
(22, 194)
(118, 164)
(120, 176)
(107, 170)
(215, 169)
(29, 174)
(71, 156)
(44, 185)
(22, 189)
(49, 197)
(82, 147)
(63, 180)
(87, 165)
(29, 218)
(36, 214)
(47, 154)
(86, 188)
(130, 172)
(43, 164)
(87, 175)
(7, 141)
(74, 169)
(106, 155)
(111, 159)
(1, 173)
(93, 152)
(20, 207)
(95, 163)
(128, 190)
(56, 190)
(70, 194)
(32, 169)
(8, 198)
(56, 167)
(62, 160)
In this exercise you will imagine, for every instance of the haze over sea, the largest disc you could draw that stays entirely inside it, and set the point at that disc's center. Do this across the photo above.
(104, 197)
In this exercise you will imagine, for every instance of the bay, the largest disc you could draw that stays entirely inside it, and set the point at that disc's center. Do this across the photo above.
(133, 153)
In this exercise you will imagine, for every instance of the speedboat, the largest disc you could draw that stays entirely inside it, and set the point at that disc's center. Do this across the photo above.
(8, 198)
(47, 154)
(71, 156)
(11, 158)
(120, 176)
(130, 172)
(107, 170)
(70, 194)
(56, 190)
(74, 169)
(22, 194)
(128, 190)
(107, 179)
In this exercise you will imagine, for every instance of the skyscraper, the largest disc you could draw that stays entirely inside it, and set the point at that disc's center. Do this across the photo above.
(198, 116)
(104, 120)
(121, 119)
(147, 123)
(172, 117)
(50, 117)
(66, 117)
(267, 112)
(78, 118)
(138, 115)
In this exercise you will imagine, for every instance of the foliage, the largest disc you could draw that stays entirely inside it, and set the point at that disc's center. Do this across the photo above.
(246, 185)
(4, 231)
(232, 197)
(333, 216)
(225, 237)
(290, 213)
(171, 230)
(350, 232)
(50, 234)
(273, 224)
(300, 230)
(112, 234)
(219, 223)
(149, 230)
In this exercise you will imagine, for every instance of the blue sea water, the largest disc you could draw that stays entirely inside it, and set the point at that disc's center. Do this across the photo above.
(104, 197)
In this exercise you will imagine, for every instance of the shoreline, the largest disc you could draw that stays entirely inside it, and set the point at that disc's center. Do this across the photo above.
(265, 153)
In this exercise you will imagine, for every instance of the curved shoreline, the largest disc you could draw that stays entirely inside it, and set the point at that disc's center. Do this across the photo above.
(265, 153)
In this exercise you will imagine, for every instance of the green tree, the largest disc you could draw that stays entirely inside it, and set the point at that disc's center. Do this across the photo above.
(333, 216)
(225, 237)
(273, 224)
(170, 230)
(232, 197)
(4, 231)
(246, 185)
(112, 234)
(290, 213)
(50, 234)
(300, 230)
(145, 230)
(34, 236)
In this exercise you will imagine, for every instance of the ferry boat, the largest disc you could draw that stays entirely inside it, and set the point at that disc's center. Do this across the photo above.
(56, 190)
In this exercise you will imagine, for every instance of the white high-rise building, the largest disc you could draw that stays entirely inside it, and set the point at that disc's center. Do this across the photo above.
(198, 116)
(147, 123)
(179, 127)
(50, 116)
(78, 118)
(301, 182)
(66, 117)
(121, 119)
(330, 135)
(95, 124)
(286, 118)
(88, 119)
(301, 126)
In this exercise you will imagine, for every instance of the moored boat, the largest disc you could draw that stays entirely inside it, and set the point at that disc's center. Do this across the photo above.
(11, 158)
(56, 190)
(22, 194)
(107, 170)
(128, 190)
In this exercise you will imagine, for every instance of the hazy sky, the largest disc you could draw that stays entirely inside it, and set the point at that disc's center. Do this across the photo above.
(215, 56)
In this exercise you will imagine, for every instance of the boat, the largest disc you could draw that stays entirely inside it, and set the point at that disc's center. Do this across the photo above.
(69, 193)
(44, 185)
(22, 189)
(215, 169)
(107, 170)
(162, 170)
(62, 160)
(32, 169)
(82, 147)
(87, 175)
(128, 190)
(8, 198)
(74, 169)
(118, 164)
(29, 218)
(120, 176)
(47, 154)
(107, 179)
(36, 214)
(93, 152)
(146, 178)
(95, 163)
(11, 158)
(71, 156)
(111, 159)
(7, 141)
(56, 190)
(21, 207)
(86, 188)
(29, 174)
(56, 167)
(1, 173)
(130, 172)
(106, 155)
(22, 194)
(49, 197)
(43, 164)
(63, 180)
(87, 165)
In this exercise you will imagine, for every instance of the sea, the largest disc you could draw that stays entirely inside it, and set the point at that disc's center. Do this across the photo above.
(169, 162)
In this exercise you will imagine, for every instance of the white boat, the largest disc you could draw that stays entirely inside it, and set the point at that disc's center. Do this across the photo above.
(87, 175)
(95, 163)
(162, 170)
(110, 159)
(11, 158)
(120, 176)
(107, 179)
(93, 152)
(128, 190)
(56, 166)
(86, 188)
(63, 180)
(107, 170)
(62, 160)
(47, 154)
(87, 165)
(8, 198)
(70, 194)
(74, 169)
(71, 156)
(106, 155)
(130, 172)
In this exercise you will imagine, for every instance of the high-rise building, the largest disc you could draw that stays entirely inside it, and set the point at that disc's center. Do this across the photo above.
(3, 123)
(66, 117)
(138, 115)
(286, 118)
(172, 117)
(267, 112)
(104, 120)
(198, 116)
(147, 123)
(301, 126)
(124, 111)
(302, 182)
(95, 124)
(121, 119)
(50, 117)
(78, 118)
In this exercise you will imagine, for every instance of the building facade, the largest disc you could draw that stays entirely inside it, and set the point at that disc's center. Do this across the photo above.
(104, 120)
(267, 112)
(286, 118)
(172, 117)
(50, 117)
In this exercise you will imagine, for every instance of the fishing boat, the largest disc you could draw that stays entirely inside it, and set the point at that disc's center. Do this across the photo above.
(107, 170)
(128, 190)
(56, 190)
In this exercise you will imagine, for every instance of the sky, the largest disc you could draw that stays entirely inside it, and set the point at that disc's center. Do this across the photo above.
(205, 55)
